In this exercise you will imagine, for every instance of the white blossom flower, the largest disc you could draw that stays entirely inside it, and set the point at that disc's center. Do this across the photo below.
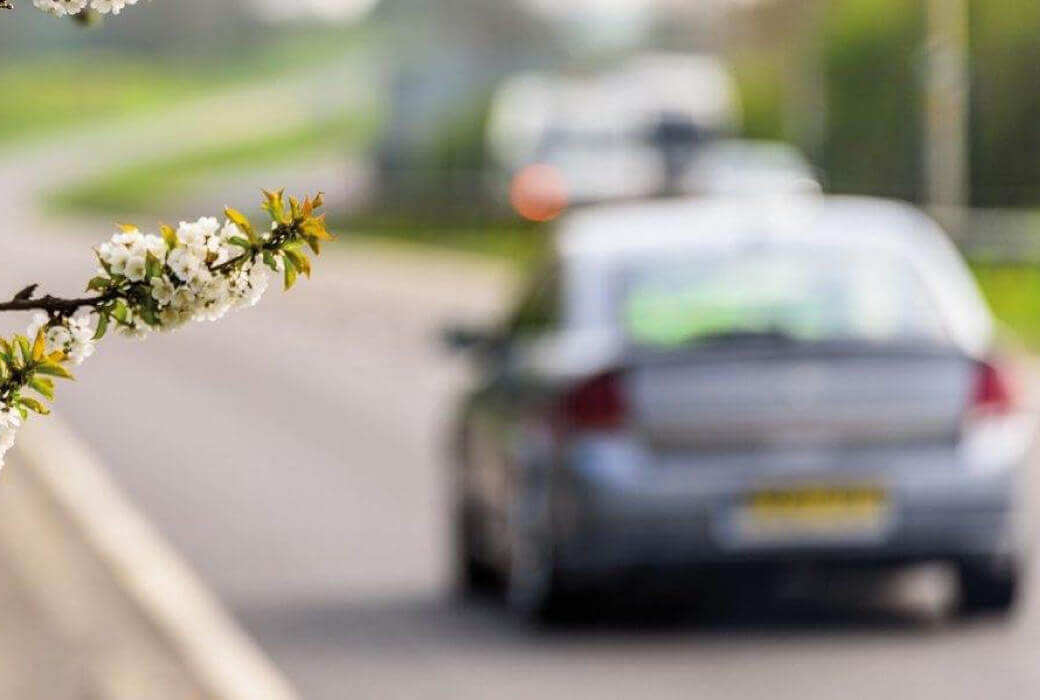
(171, 318)
(39, 320)
(82, 327)
(156, 246)
(183, 299)
(110, 6)
(73, 336)
(135, 328)
(135, 268)
(183, 263)
(114, 255)
(162, 290)
(58, 339)
(9, 422)
(196, 235)
(129, 237)
(60, 8)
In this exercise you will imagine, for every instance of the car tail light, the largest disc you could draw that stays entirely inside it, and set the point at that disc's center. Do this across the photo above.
(992, 394)
(595, 404)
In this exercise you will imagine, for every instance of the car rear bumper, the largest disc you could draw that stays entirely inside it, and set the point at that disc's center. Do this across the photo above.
(613, 515)
(932, 536)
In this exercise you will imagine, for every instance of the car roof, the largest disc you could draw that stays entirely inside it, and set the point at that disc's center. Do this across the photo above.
(609, 235)
(698, 222)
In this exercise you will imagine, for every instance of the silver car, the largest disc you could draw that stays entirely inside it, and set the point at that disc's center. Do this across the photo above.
(716, 383)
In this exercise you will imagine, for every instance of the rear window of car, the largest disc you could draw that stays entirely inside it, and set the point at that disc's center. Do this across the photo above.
(810, 293)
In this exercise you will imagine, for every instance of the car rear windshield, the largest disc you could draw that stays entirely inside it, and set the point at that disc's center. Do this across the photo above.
(810, 293)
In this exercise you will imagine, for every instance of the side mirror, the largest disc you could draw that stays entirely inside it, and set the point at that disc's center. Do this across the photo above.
(468, 338)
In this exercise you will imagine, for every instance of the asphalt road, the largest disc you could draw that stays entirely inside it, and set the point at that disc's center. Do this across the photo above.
(291, 453)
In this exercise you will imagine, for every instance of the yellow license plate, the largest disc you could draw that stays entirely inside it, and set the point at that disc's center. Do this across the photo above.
(814, 511)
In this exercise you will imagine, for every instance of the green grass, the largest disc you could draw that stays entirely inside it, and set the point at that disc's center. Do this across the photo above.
(1013, 292)
(144, 187)
(55, 90)
(38, 97)
(517, 241)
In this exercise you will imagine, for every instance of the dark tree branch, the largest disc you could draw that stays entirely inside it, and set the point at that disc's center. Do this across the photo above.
(57, 305)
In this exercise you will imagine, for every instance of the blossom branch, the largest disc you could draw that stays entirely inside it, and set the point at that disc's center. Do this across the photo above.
(146, 283)
(77, 9)
(26, 300)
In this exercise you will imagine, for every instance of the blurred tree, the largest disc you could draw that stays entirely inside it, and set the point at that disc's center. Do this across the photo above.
(870, 54)
(1005, 133)
(872, 134)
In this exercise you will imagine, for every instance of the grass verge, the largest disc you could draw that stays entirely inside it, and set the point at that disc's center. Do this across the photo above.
(1013, 292)
(55, 92)
(144, 186)
(517, 241)
(59, 89)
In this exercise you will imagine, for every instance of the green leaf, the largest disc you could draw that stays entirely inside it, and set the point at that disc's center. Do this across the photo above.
(242, 222)
(152, 266)
(24, 348)
(99, 284)
(34, 405)
(315, 226)
(290, 273)
(53, 369)
(43, 386)
(269, 260)
(148, 315)
(104, 265)
(120, 311)
(299, 261)
(39, 346)
(275, 205)
(102, 326)
(240, 242)
(168, 235)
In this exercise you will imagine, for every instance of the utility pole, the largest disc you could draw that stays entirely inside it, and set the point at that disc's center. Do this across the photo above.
(946, 156)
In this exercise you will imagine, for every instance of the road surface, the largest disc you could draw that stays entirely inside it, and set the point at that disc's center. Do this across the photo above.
(291, 453)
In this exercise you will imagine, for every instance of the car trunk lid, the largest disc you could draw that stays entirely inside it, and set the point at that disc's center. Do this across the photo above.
(742, 398)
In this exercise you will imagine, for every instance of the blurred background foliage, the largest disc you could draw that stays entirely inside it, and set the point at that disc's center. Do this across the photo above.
(872, 139)
(1006, 104)
(869, 56)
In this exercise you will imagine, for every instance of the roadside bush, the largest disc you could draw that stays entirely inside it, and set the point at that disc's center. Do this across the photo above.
(870, 55)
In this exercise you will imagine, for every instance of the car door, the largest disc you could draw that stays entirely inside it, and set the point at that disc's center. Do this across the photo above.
(500, 423)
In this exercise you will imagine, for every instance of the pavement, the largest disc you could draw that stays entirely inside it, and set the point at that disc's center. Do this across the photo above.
(68, 629)
(292, 455)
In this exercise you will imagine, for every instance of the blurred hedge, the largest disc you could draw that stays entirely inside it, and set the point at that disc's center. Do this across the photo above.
(871, 142)
(871, 56)
(1006, 103)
